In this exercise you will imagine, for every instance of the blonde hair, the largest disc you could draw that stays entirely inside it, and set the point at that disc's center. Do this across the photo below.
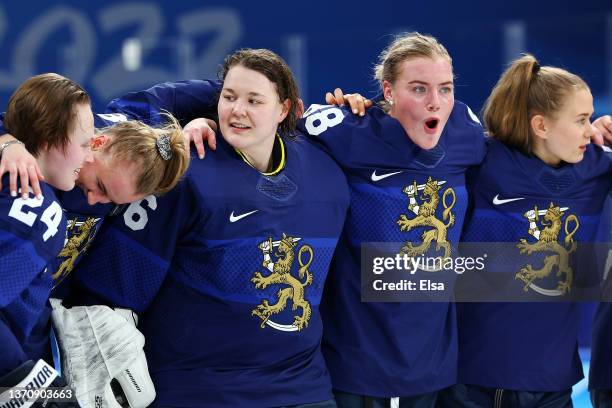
(404, 47)
(137, 142)
(526, 89)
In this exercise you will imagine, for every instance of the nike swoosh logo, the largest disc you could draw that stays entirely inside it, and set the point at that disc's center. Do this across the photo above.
(498, 201)
(378, 177)
(234, 218)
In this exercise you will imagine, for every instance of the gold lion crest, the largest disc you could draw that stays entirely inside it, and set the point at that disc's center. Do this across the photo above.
(425, 216)
(79, 236)
(280, 274)
(548, 241)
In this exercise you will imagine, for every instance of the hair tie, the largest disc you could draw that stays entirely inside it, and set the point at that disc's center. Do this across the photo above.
(163, 147)
(536, 67)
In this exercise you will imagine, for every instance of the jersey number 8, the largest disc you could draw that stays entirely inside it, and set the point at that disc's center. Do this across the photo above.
(319, 121)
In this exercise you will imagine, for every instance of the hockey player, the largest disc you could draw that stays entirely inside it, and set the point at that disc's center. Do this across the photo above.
(405, 160)
(32, 230)
(52, 107)
(600, 374)
(541, 189)
(421, 133)
(230, 265)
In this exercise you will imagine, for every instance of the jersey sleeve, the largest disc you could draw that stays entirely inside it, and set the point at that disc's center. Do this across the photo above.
(186, 100)
(130, 257)
(468, 132)
(330, 127)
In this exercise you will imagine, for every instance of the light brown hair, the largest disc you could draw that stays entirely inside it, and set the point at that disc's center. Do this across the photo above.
(526, 89)
(42, 111)
(137, 142)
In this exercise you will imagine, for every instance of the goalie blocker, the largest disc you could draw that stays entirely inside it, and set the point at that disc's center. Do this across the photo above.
(102, 356)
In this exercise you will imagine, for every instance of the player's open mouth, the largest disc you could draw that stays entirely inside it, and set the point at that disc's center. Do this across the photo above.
(239, 126)
(77, 171)
(431, 125)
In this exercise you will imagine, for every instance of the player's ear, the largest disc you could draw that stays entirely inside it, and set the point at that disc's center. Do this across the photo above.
(387, 94)
(98, 141)
(300, 109)
(286, 106)
(539, 126)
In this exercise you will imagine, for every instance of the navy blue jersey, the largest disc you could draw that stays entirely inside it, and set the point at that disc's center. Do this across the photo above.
(83, 223)
(392, 349)
(38, 262)
(32, 233)
(186, 100)
(82, 220)
(27, 259)
(229, 270)
(544, 212)
(600, 372)
(12, 354)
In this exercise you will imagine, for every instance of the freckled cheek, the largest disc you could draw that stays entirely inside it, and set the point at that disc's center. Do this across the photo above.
(413, 99)
(409, 106)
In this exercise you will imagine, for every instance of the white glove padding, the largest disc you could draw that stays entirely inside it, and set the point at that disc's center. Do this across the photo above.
(99, 344)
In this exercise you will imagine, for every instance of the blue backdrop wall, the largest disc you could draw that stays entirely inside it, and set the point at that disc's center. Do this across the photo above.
(112, 47)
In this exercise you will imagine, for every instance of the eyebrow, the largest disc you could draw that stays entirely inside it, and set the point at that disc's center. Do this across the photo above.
(585, 115)
(416, 81)
(250, 93)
